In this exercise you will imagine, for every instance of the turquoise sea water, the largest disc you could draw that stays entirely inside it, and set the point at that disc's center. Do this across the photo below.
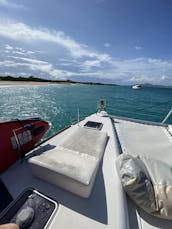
(58, 104)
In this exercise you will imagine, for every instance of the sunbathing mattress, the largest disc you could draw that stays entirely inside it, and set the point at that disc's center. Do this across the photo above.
(73, 163)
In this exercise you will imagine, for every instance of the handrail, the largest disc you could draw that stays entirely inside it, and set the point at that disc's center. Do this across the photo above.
(19, 149)
(17, 140)
(167, 116)
(101, 105)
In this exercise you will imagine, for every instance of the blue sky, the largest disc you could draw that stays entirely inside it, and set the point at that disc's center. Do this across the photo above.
(113, 41)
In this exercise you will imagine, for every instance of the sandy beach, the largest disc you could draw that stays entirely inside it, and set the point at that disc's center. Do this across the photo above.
(20, 83)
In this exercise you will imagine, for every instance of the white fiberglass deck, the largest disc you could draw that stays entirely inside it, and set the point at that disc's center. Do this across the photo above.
(105, 208)
(145, 139)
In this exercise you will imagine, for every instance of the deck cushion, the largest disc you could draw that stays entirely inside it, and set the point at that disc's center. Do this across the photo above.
(74, 162)
(148, 182)
(67, 162)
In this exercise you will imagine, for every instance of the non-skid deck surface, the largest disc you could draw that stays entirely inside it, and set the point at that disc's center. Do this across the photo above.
(150, 140)
(143, 139)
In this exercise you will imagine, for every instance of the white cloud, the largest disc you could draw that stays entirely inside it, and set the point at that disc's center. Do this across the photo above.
(7, 63)
(9, 4)
(23, 51)
(8, 47)
(144, 70)
(17, 50)
(32, 61)
(89, 64)
(107, 45)
(140, 70)
(76, 59)
(164, 77)
(138, 47)
(34, 65)
(25, 33)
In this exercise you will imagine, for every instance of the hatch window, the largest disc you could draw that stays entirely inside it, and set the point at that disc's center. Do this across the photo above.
(94, 125)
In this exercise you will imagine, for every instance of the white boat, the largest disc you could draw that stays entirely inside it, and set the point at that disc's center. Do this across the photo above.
(137, 86)
(75, 174)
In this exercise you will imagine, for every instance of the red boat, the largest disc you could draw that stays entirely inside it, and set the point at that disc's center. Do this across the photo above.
(18, 137)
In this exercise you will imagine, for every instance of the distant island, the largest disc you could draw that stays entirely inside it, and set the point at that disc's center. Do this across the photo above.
(41, 80)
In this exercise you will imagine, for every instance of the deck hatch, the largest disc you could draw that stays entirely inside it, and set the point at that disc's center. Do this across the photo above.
(94, 125)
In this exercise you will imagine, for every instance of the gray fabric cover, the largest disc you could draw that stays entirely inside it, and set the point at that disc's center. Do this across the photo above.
(148, 182)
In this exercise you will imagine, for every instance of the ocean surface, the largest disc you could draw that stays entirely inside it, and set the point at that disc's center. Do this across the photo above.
(59, 104)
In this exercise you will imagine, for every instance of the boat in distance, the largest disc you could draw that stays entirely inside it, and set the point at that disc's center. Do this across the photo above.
(79, 179)
(137, 86)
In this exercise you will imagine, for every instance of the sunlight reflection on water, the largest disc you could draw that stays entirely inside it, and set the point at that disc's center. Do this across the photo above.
(58, 104)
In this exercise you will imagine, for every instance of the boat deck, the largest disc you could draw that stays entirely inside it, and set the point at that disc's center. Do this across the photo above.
(148, 139)
(103, 209)
(144, 139)
(108, 206)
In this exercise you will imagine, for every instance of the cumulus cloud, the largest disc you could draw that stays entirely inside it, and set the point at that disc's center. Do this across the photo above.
(24, 33)
(76, 59)
(90, 64)
(145, 70)
(34, 65)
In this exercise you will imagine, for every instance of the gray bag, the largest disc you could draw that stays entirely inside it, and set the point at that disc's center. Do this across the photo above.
(148, 182)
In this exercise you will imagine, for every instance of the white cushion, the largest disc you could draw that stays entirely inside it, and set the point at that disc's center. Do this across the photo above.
(73, 164)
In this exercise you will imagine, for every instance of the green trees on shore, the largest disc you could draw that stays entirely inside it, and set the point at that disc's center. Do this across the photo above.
(36, 79)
